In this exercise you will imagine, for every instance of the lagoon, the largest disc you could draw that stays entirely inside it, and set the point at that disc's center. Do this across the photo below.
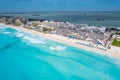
(106, 19)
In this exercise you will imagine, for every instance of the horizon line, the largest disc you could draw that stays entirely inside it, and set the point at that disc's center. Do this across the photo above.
(12, 12)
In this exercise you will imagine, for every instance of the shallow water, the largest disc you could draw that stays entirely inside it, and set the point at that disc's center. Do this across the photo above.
(25, 56)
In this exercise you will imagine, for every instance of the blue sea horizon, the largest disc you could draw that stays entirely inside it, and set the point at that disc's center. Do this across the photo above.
(25, 56)
(92, 18)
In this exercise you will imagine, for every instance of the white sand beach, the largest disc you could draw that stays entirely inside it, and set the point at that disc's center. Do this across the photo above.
(113, 52)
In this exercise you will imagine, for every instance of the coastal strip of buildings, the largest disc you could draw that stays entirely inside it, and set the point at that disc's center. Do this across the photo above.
(95, 35)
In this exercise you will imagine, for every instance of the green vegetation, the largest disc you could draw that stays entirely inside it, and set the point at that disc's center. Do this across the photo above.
(46, 30)
(118, 33)
(116, 43)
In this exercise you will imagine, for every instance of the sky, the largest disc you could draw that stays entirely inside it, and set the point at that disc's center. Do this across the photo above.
(58, 5)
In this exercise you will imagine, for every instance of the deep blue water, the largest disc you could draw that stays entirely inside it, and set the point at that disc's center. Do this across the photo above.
(107, 19)
(24, 56)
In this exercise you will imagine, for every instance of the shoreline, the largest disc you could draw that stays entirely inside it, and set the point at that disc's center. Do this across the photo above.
(70, 42)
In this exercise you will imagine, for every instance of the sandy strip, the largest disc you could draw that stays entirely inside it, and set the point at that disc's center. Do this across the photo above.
(71, 42)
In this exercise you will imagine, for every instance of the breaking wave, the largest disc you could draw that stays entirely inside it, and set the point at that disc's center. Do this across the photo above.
(19, 35)
(6, 32)
(33, 40)
(58, 48)
(1, 27)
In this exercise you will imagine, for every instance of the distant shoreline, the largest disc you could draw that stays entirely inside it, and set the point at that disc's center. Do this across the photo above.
(57, 11)
(69, 42)
(107, 19)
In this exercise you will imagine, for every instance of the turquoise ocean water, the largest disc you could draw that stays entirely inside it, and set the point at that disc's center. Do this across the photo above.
(24, 56)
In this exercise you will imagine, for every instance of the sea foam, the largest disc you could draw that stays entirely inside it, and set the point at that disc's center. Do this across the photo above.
(33, 40)
(2, 27)
(58, 48)
(6, 32)
(19, 35)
